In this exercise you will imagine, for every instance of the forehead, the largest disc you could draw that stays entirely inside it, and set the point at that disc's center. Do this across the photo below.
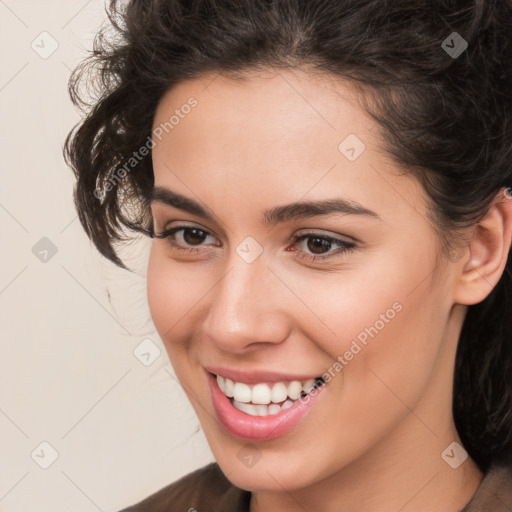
(275, 106)
(279, 134)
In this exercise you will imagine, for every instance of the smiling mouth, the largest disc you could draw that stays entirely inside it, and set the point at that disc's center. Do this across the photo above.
(260, 410)
(266, 399)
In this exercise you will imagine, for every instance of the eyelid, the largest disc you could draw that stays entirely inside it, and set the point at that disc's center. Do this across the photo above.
(344, 247)
(305, 231)
(309, 230)
(167, 226)
(166, 232)
(327, 234)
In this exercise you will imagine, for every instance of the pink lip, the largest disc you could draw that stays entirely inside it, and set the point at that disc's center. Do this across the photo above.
(259, 428)
(255, 377)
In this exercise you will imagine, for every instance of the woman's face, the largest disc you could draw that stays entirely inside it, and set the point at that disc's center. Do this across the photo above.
(372, 314)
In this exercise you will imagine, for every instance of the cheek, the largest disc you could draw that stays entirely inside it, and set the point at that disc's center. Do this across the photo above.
(172, 291)
(388, 331)
(158, 292)
(177, 295)
(170, 295)
(384, 325)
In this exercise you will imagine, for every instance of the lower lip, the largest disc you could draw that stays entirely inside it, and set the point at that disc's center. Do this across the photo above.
(259, 428)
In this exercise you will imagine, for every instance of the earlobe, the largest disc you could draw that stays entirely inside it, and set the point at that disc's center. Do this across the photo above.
(487, 253)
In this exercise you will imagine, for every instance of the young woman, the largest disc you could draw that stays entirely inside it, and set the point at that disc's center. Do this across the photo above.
(327, 188)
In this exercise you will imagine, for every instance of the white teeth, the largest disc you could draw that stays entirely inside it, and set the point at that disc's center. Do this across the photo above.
(279, 392)
(229, 388)
(226, 385)
(242, 392)
(286, 405)
(308, 385)
(247, 408)
(262, 394)
(261, 410)
(294, 389)
(273, 408)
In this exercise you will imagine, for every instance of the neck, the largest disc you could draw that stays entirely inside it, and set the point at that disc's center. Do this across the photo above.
(415, 479)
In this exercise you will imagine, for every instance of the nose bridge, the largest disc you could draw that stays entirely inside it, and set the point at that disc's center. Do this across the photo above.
(245, 307)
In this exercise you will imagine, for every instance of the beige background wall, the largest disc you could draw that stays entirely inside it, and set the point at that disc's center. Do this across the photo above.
(85, 425)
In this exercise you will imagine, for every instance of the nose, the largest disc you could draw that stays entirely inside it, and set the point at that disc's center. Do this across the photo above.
(247, 307)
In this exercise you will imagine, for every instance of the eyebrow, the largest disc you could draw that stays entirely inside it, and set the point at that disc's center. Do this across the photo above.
(272, 216)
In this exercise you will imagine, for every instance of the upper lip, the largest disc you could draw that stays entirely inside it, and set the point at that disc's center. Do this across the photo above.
(257, 376)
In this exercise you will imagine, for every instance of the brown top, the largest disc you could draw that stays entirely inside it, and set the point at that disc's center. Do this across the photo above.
(208, 490)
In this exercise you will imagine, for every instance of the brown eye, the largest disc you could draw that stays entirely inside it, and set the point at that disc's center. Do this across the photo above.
(184, 238)
(319, 247)
(194, 236)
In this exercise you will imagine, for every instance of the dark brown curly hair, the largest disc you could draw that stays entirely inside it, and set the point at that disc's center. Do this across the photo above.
(447, 117)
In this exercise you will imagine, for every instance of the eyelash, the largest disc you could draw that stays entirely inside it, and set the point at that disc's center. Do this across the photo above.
(344, 246)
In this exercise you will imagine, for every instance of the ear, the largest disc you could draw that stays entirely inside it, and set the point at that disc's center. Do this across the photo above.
(487, 252)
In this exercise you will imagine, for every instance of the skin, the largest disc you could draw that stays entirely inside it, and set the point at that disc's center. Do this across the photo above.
(374, 441)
